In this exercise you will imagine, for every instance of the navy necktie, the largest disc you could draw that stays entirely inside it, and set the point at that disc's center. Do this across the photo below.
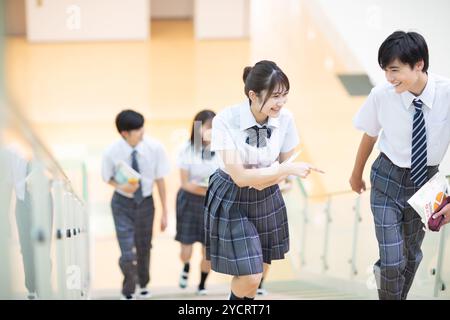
(258, 136)
(419, 146)
(138, 197)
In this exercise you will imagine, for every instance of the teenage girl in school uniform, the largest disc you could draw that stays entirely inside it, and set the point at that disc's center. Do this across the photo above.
(246, 222)
(196, 163)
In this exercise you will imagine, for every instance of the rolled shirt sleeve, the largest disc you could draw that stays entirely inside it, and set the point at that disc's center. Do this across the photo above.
(107, 167)
(162, 167)
(221, 137)
(367, 117)
(183, 160)
(291, 139)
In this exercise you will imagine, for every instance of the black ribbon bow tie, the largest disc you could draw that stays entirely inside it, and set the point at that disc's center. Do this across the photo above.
(207, 154)
(257, 136)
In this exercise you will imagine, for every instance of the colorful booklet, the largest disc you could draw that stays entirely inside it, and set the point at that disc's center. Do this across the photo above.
(429, 199)
(126, 174)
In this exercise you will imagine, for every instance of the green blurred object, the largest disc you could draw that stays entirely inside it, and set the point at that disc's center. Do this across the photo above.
(2, 50)
(5, 270)
(356, 84)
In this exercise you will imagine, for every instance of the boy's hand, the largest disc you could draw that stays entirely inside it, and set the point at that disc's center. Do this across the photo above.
(358, 184)
(129, 188)
(445, 211)
(164, 221)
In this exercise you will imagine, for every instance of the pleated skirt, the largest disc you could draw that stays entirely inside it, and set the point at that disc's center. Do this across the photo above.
(244, 227)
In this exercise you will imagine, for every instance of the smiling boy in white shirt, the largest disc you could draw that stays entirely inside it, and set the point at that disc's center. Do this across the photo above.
(410, 113)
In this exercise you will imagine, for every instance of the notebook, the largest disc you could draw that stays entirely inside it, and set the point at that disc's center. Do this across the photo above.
(126, 174)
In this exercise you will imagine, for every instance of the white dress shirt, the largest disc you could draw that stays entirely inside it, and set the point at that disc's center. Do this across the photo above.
(199, 169)
(229, 133)
(390, 115)
(151, 158)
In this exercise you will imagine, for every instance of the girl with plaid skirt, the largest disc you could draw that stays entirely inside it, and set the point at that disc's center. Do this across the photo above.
(196, 163)
(245, 215)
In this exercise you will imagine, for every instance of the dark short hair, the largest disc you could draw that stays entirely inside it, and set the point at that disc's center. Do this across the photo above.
(128, 120)
(264, 75)
(408, 47)
(204, 116)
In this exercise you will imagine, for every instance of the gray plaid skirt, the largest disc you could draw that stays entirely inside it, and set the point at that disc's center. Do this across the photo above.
(190, 218)
(244, 227)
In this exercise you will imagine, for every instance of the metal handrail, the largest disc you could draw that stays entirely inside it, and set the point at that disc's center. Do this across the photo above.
(334, 194)
(39, 147)
(330, 194)
(439, 284)
(70, 219)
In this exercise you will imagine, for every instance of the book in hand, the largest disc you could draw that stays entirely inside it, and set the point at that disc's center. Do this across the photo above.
(429, 199)
(125, 174)
(436, 224)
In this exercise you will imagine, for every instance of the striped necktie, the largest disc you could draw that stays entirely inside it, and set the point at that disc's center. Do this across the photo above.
(419, 146)
(138, 197)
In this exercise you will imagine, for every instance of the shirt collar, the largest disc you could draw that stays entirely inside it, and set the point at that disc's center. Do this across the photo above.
(427, 95)
(129, 149)
(247, 120)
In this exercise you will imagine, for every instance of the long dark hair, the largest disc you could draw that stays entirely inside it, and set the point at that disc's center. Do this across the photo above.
(265, 75)
(203, 116)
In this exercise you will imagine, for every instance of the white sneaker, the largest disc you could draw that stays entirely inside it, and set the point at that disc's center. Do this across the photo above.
(261, 292)
(32, 296)
(202, 292)
(183, 279)
(128, 297)
(144, 293)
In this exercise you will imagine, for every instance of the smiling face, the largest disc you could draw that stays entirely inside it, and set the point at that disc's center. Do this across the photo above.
(274, 103)
(403, 77)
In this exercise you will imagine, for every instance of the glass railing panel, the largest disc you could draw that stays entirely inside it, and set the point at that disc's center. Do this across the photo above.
(443, 288)
(29, 217)
(364, 243)
(424, 280)
(44, 244)
(337, 239)
(306, 229)
(340, 235)
(296, 206)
